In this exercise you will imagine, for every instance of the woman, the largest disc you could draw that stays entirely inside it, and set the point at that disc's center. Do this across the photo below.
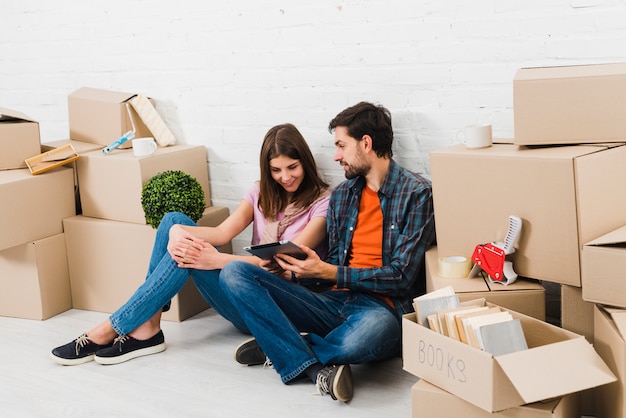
(288, 203)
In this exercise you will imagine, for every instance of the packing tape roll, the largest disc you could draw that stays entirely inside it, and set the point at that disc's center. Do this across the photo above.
(454, 267)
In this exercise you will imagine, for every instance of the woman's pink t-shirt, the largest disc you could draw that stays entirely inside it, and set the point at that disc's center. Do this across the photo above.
(318, 209)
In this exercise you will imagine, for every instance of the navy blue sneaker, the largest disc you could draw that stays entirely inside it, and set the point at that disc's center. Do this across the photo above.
(250, 354)
(126, 348)
(336, 381)
(79, 351)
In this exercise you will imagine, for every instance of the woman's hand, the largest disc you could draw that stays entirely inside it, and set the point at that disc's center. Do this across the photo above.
(273, 267)
(184, 247)
(208, 259)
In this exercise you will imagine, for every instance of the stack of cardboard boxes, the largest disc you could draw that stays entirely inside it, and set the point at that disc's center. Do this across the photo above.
(104, 243)
(109, 244)
(33, 268)
(563, 175)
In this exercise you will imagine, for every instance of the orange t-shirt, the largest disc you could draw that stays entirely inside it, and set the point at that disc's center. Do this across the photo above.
(367, 244)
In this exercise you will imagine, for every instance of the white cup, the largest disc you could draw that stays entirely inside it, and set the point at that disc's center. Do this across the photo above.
(143, 147)
(475, 136)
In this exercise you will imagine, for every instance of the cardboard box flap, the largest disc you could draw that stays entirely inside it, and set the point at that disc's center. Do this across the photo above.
(619, 318)
(617, 236)
(568, 367)
(561, 152)
(570, 71)
(102, 95)
(8, 115)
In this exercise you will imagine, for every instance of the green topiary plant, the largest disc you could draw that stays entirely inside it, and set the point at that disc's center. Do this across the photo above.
(172, 191)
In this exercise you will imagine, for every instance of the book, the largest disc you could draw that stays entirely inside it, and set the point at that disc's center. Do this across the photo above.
(472, 323)
(444, 291)
(459, 320)
(433, 323)
(502, 337)
(422, 318)
(442, 313)
(428, 306)
(449, 318)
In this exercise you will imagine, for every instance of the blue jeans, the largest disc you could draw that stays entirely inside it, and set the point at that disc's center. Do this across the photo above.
(343, 326)
(165, 279)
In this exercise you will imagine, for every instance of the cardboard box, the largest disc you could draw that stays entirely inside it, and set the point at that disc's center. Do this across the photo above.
(110, 186)
(576, 314)
(557, 362)
(429, 401)
(570, 104)
(33, 207)
(100, 116)
(603, 264)
(565, 196)
(609, 330)
(524, 295)
(34, 279)
(108, 261)
(19, 139)
(81, 148)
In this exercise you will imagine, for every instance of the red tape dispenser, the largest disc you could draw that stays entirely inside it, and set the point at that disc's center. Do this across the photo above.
(491, 257)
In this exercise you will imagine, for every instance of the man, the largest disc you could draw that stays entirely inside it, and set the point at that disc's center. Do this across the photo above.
(380, 223)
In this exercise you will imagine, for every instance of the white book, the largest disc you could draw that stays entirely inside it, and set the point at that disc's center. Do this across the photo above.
(450, 318)
(470, 324)
(429, 306)
(444, 291)
(502, 337)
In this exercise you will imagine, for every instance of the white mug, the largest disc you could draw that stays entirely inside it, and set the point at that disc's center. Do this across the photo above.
(144, 146)
(475, 136)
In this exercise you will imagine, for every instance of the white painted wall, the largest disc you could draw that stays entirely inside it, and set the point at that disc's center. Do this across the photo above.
(222, 73)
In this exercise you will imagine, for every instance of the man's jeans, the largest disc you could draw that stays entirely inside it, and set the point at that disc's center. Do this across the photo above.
(165, 279)
(343, 327)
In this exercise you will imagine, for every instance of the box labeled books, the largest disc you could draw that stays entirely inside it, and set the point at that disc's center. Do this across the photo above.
(498, 382)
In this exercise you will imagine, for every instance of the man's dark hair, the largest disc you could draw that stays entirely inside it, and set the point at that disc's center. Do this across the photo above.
(367, 119)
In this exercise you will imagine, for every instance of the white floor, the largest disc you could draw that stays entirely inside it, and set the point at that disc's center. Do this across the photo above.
(195, 377)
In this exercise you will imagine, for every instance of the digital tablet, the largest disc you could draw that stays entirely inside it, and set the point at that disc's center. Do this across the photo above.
(268, 251)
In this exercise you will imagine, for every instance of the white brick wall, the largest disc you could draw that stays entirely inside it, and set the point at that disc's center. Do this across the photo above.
(222, 73)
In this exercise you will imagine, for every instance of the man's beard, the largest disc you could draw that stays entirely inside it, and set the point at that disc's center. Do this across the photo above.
(356, 171)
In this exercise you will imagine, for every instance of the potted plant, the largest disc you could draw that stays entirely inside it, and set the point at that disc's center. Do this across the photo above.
(172, 191)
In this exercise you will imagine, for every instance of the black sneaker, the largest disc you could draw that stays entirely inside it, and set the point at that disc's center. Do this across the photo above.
(335, 381)
(79, 351)
(126, 348)
(250, 354)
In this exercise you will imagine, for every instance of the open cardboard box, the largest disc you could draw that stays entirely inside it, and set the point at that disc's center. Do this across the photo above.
(603, 262)
(19, 139)
(102, 116)
(557, 362)
(570, 104)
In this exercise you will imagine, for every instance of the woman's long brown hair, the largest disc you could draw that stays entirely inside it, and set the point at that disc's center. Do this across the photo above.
(286, 140)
